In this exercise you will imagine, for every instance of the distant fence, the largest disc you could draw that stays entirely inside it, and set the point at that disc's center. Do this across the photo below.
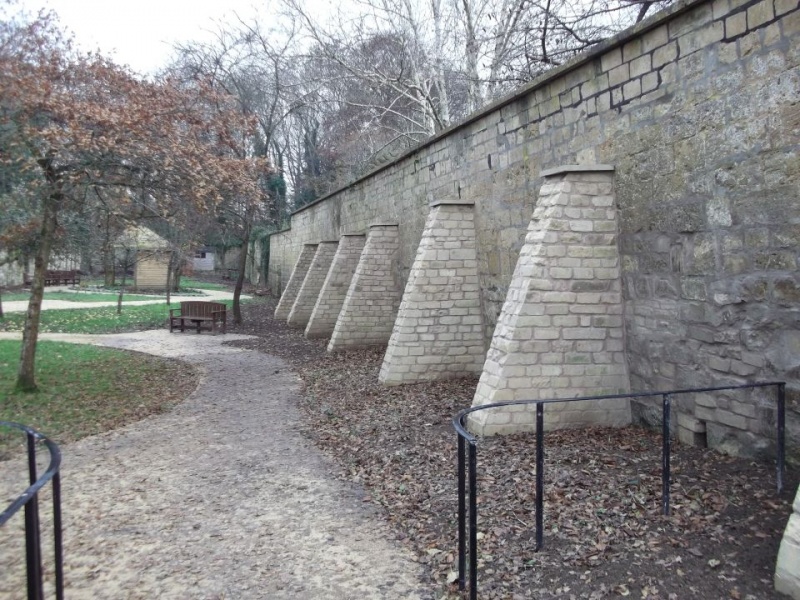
(468, 477)
(29, 499)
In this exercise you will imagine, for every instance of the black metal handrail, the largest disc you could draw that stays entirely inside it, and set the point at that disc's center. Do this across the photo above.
(30, 500)
(465, 438)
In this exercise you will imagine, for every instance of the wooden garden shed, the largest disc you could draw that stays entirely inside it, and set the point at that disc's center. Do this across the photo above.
(148, 253)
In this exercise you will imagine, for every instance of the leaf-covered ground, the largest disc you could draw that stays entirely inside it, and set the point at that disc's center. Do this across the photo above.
(604, 534)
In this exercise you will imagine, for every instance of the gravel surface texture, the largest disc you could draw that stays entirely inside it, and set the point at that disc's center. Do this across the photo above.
(220, 498)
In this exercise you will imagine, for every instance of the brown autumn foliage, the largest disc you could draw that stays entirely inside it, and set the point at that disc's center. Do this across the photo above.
(72, 122)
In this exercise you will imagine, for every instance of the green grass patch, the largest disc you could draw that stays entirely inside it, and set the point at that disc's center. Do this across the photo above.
(94, 320)
(98, 320)
(194, 284)
(85, 390)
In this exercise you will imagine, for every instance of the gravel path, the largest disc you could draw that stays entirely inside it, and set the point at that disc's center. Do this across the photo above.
(220, 498)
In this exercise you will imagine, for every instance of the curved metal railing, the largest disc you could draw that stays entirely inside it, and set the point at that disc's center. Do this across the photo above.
(30, 500)
(468, 463)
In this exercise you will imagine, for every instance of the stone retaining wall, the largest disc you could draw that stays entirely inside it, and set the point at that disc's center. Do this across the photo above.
(560, 331)
(438, 331)
(333, 292)
(698, 111)
(295, 281)
(312, 284)
(372, 300)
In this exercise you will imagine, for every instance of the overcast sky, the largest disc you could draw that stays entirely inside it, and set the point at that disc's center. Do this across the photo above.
(140, 33)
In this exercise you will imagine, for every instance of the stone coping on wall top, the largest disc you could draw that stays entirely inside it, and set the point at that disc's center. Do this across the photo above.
(575, 169)
(616, 41)
(329, 241)
(451, 202)
(311, 244)
(362, 234)
(371, 225)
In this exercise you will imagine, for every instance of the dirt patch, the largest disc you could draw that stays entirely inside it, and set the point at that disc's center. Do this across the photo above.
(605, 536)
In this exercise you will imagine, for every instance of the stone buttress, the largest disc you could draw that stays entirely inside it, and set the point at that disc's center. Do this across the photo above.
(372, 300)
(312, 284)
(560, 332)
(438, 333)
(331, 296)
(295, 281)
(787, 570)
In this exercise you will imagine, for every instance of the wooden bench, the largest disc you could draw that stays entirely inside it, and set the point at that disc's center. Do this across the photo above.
(61, 277)
(199, 314)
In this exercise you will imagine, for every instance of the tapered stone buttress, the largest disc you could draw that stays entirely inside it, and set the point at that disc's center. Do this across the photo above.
(560, 332)
(295, 281)
(787, 569)
(438, 333)
(331, 296)
(372, 300)
(312, 283)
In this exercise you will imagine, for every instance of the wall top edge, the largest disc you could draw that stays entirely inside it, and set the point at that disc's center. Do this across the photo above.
(313, 245)
(362, 234)
(575, 169)
(329, 241)
(650, 23)
(451, 202)
(379, 224)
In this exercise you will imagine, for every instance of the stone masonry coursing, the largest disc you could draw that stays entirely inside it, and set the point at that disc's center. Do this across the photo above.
(289, 295)
(560, 331)
(312, 283)
(698, 110)
(372, 300)
(331, 296)
(438, 332)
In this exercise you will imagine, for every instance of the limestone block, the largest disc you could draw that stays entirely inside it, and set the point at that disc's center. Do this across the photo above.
(371, 303)
(334, 289)
(569, 357)
(312, 284)
(296, 279)
(787, 569)
(428, 321)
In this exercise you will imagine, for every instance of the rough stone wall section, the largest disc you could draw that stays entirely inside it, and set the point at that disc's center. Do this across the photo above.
(312, 283)
(560, 332)
(438, 333)
(371, 304)
(296, 279)
(334, 289)
(787, 570)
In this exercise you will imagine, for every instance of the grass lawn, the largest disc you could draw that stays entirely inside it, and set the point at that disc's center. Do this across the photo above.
(85, 390)
(77, 296)
(94, 320)
(194, 284)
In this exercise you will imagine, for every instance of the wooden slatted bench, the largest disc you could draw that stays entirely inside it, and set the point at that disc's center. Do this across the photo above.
(61, 277)
(200, 314)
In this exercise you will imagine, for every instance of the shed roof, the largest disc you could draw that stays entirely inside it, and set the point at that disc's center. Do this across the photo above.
(141, 238)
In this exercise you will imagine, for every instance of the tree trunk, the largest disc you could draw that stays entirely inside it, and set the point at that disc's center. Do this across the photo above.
(26, 382)
(108, 256)
(124, 281)
(237, 291)
(169, 278)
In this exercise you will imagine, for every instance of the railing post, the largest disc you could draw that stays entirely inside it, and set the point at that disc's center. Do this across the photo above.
(473, 522)
(58, 538)
(462, 516)
(665, 452)
(32, 536)
(781, 434)
(539, 475)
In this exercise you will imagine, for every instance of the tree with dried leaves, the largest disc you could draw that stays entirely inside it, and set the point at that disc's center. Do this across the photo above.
(72, 122)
